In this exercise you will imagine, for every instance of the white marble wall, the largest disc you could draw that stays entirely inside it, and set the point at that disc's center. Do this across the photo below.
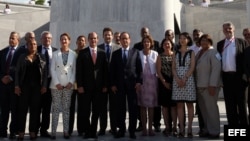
(83, 16)
(248, 12)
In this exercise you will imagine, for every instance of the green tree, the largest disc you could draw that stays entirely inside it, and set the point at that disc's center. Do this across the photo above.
(40, 2)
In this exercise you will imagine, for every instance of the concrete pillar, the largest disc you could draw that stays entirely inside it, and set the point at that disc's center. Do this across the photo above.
(83, 16)
(248, 12)
(169, 14)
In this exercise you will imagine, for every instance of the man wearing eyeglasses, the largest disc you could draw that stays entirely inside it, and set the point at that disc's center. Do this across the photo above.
(246, 34)
(232, 51)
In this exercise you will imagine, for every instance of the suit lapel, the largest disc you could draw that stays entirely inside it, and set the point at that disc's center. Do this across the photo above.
(16, 54)
(39, 49)
(129, 57)
(70, 57)
(98, 59)
(59, 56)
(102, 46)
(6, 53)
(237, 45)
(90, 55)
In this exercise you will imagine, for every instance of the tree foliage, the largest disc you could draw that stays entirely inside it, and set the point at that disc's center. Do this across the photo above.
(40, 2)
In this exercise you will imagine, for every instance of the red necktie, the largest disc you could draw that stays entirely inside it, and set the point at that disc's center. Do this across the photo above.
(93, 56)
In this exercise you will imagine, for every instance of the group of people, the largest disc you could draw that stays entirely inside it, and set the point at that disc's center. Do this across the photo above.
(149, 79)
(205, 3)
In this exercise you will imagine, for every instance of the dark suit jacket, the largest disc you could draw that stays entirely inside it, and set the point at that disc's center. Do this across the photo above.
(39, 49)
(132, 70)
(240, 48)
(156, 47)
(21, 69)
(114, 47)
(247, 62)
(91, 76)
(15, 57)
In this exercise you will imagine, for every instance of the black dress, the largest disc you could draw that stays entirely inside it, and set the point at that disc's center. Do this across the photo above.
(165, 95)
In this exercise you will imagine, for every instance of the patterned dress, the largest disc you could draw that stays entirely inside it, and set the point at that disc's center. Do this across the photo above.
(148, 95)
(165, 95)
(188, 92)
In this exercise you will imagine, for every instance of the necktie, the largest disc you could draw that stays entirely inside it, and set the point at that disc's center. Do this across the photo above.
(124, 56)
(93, 56)
(47, 57)
(108, 51)
(9, 59)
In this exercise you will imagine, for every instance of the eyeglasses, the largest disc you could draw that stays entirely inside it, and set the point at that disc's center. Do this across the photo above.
(167, 34)
(246, 34)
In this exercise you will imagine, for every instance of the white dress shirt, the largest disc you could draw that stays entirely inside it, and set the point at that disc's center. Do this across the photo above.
(228, 56)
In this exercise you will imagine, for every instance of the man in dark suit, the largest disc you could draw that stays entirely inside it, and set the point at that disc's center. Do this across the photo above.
(46, 49)
(81, 42)
(8, 99)
(246, 34)
(145, 32)
(125, 75)
(247, 72)
(157, 110)
(28, 36)
(169, 34)
(91, 77)
(232, 50)
(109, 47)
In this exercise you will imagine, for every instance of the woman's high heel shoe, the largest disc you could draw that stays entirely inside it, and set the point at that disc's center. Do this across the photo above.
(190, 134)
(174, 132)
(181, 133)
(32, 136)
(66, 135)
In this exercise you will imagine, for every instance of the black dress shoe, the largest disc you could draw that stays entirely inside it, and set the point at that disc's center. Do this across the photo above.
(12, 136)
(138, 129)
(132, 136)
(112, 132)
(80, 134)
(86, 136)
(33, 138)
(53, 137)
(101, 133)
(20, 138)
(3, 135)
(216, 136)
(66, 136)
(94, 136)
(45, 134)
(203, 134)
(119, 134)
(157, 129)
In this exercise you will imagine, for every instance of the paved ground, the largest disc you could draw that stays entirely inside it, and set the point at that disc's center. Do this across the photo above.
(158, 137)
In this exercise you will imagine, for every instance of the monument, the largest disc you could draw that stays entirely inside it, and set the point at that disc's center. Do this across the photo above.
(83, 16)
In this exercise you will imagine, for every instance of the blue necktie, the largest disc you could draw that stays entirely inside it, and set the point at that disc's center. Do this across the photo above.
(108, 51)
(124, 56)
